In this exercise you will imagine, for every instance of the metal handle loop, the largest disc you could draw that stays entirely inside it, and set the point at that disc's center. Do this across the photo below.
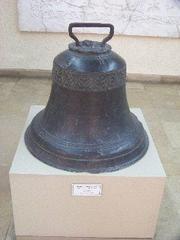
(108, 25)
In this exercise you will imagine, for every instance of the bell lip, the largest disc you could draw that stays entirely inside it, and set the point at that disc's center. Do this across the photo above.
(114, 164)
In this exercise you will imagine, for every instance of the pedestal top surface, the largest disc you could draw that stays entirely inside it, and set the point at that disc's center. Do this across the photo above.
(25, 163)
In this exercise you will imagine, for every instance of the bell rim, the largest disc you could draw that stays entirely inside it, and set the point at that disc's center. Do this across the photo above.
(104, 164)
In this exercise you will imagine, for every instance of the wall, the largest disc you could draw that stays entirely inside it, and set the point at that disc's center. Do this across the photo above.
(28, 50)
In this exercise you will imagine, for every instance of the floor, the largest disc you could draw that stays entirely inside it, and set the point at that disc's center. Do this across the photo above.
(161, 107)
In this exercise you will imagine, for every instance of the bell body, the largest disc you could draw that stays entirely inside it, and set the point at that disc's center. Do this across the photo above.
(87, 125)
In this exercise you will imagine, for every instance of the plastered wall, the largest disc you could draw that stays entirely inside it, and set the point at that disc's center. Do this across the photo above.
(30, 50)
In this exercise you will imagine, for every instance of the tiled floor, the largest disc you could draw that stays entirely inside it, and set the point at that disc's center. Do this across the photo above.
(161, 107)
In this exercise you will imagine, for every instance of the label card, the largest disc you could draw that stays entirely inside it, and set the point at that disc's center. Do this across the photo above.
(87, 189)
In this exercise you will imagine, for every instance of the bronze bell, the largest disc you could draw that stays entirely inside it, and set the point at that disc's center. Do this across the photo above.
(87, 125)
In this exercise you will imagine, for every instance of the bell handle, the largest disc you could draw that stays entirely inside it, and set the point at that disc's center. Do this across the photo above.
(101, 25)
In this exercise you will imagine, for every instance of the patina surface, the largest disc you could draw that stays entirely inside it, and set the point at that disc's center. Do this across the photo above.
(87, 125)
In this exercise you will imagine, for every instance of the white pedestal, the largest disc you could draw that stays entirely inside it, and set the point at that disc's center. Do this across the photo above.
(43, 204)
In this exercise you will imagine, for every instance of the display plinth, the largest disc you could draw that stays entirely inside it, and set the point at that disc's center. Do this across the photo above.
(47, 203)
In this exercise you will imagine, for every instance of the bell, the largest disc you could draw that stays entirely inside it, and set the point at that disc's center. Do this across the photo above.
(87, 125)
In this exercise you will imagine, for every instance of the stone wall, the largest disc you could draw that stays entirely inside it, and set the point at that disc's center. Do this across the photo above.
(130, 17)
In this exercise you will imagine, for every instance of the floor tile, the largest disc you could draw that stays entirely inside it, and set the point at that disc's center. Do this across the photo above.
(6, 87)
(172, 130)
(11, 128)
(162, 89)
(168, 115)
(5, 202)
(168, 227)
(165, 101)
